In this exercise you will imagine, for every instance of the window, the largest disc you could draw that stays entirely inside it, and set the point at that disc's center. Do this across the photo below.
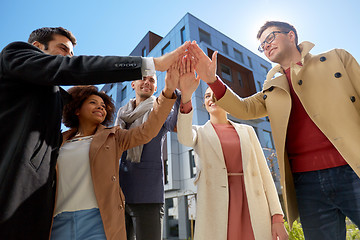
(165, 49)
(238, 55)
(225, 48)
(164, 153)
(204, 36)
(259, 85)
(192, 163)
(183, 36)
(250, 62)
(226, 72)
(240, 79)
(268, 140)
(123, 93)
(264, 70)
(143, 52)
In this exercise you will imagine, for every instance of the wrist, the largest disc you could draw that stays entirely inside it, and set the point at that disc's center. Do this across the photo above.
(168, 93)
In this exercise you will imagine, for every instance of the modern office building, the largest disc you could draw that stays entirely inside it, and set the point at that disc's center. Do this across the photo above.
(240, 69)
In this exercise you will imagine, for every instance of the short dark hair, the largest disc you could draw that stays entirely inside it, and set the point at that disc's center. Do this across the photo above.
(45, 35)
(78, 95)
(282, 26)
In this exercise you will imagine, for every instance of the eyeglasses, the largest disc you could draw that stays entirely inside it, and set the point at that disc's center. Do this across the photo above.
(269, 39)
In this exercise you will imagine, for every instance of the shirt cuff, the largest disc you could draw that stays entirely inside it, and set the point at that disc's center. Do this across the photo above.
(147, 66)
(278, 218)
(218, 87)
(185, 107)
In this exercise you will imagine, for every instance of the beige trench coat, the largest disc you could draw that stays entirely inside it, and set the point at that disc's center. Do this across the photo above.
(212, 180)
(328, 86)
(106, 149)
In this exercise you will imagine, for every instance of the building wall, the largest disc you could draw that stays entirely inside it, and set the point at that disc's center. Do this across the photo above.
(180, 191)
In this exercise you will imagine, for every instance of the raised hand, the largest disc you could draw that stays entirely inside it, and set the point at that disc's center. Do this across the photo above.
(172, 77)
(204, 66)
(188, 81)
(163, 62)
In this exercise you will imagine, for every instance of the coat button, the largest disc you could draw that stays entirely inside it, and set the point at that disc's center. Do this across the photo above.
(352, 98)
(300, 82)
(113, 178)
(265, 96)
(337, 75)
(322, 59)
(271, 88)
(107, 147)
(120, 207)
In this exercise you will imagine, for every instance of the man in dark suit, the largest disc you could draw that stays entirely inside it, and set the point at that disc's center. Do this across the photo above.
(141, 171)
(30, 116)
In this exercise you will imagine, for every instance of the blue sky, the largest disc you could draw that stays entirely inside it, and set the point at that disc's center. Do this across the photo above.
(114, 27)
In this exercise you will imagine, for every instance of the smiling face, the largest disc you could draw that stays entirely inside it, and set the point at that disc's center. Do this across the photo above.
(92, 111)
(145, 87)
(210, 106)
(281, 47)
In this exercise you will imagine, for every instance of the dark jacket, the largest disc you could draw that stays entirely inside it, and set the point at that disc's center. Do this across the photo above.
(30, 115)
(143, 182)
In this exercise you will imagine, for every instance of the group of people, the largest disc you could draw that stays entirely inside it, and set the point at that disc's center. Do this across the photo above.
(97, 181)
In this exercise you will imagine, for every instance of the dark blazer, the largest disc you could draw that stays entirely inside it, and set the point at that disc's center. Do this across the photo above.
(143, 182)
(30, 116)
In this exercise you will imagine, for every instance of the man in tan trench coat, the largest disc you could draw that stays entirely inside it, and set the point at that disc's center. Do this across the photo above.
(313, 105)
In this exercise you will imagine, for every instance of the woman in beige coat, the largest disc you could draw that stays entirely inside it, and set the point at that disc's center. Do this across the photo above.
(89, 200)
(236, 195)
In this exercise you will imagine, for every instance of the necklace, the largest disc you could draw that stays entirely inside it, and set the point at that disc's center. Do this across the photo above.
(80, 138)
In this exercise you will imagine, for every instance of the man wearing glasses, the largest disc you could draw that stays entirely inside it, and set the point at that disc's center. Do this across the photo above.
(314, 112)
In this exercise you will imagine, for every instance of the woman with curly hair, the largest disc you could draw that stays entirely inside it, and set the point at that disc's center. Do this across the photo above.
(89, 201)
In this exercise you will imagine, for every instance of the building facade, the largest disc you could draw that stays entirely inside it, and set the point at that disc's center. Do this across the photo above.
(240, 69)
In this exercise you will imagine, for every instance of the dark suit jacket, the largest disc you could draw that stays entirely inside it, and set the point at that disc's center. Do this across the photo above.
(30, 116)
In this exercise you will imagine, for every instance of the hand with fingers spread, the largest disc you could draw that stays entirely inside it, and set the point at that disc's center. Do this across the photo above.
(163, 62)
(172, 78)
(188, 81)
(204, 66)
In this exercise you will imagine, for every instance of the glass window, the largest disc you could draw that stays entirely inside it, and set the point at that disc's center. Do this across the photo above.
(165, 49)
(250, 62)
(264, 70)
(123, 93)
(240, 79)
(183, 36)
(204, 36)
(164, 153)
(143, 52)
(226, 72)
(171, 206)
(238, 55)
(192, 163)
(268, 140)
(225, 48)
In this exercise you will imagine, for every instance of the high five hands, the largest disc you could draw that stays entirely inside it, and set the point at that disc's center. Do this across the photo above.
(189, 64)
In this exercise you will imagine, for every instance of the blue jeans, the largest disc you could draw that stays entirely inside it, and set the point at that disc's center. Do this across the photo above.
(78, 225)
(325, 198)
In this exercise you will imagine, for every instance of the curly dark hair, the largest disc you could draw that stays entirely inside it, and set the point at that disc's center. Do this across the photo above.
(78, 95)
(45, 35)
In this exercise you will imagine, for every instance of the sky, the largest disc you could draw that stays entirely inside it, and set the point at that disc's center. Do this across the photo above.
(114, 27)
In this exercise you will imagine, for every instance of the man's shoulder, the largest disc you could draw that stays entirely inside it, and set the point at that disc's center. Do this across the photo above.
(20, 45)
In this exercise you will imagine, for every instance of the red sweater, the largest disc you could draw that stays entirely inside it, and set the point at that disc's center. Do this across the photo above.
(307, 147)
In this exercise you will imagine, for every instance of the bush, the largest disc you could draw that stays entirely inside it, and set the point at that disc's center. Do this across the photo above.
(352, 231)
(296, 232)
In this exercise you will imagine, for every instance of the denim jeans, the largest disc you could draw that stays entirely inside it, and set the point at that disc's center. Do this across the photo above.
(325, 198)
(78, 225)
(144, 221)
